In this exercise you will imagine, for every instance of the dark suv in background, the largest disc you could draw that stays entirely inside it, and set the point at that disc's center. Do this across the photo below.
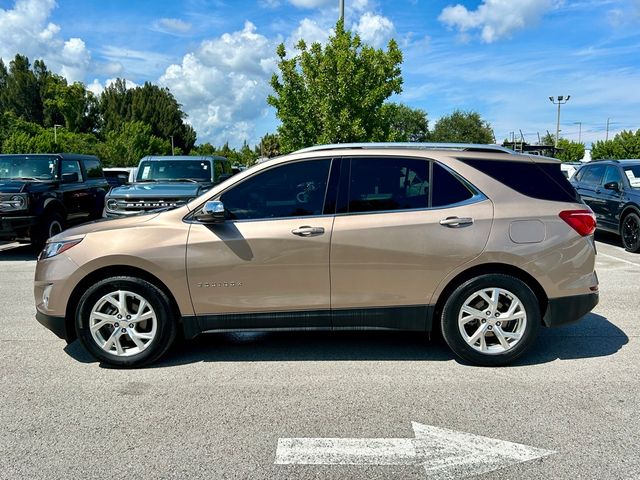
(612, 189)
(41, 195)
(165, 182)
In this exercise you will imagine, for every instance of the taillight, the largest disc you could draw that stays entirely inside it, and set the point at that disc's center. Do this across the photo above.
(582, 221)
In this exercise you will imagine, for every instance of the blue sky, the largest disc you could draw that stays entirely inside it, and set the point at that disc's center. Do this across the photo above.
(502, 58)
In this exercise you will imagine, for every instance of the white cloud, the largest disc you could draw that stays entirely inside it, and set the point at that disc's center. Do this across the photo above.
(223, 85)
(25, 29)
(375, 29)
(311, 3)
(97, 87)
(310, 31)
(171, 26)
(496, 18)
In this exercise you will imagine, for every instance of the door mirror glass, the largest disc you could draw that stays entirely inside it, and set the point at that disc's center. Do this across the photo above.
(612, 186)
(212, 212)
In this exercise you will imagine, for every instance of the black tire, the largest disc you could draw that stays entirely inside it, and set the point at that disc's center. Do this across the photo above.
(630, 232)
(454, 337)
(52, 225)
(165, 329)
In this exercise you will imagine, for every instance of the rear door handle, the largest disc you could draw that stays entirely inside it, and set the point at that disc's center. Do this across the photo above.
(307, 231)
(456, 222)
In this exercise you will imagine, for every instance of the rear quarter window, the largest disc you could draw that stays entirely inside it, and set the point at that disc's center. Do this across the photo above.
(543, 181)
(93, 168)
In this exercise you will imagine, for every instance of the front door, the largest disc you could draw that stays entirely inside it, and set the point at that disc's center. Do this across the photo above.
(267, 265)
(407, 223)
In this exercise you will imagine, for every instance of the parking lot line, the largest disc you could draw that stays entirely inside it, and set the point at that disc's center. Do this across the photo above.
(619, 259)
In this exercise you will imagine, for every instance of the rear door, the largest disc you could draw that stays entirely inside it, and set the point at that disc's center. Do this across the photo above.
(402, 225)
(589, 187)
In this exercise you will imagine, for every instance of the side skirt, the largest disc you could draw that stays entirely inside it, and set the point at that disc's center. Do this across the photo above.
(405, 318)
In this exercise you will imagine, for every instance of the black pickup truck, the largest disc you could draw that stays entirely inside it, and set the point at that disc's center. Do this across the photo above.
(41, 195)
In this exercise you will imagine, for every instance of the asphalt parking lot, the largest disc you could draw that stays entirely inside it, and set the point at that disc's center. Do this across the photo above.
(218, 406)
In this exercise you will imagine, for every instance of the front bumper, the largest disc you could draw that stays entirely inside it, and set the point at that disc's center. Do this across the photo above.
(56, 324)
(565, 310)
(16, 227)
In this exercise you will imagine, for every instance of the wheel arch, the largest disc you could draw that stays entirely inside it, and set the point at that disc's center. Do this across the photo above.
(106, 272)
(489, 268)
(630, 207)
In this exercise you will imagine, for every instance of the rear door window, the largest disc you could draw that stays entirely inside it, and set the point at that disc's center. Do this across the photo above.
(379, 184)
(447, 189)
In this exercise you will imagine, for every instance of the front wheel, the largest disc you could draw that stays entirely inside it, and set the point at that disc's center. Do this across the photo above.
(125, 321)
(630, 232)
(491, 320)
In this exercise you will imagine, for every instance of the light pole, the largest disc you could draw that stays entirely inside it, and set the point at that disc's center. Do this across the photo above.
(559, 100)
(173, 152)
(579, 131)
(607, 137)
(55, 133)
(341, 10)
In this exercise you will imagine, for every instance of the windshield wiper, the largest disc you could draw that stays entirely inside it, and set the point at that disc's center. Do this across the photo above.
(181, 180)
(147, 180)
(27, 178)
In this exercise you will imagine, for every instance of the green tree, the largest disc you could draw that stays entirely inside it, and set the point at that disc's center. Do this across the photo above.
(333, 93)
(20, 93)
(625, 144)
(462, 127)
(132, 141)
(150, 104)
(401, 123)
(269, 146)
(569, 151)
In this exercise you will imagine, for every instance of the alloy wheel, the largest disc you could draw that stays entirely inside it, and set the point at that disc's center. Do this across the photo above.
(123, 323)
(631, 232)
(492, 320)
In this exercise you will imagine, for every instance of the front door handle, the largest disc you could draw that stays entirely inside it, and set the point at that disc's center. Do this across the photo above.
(307, 231)
(455, 222)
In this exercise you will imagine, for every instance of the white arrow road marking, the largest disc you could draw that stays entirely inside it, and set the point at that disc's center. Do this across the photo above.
(443, 453)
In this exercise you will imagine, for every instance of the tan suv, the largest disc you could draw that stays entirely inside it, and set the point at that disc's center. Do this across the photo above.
(473, 240)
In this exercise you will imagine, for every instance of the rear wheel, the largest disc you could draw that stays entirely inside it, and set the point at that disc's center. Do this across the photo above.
(630, 232)
(491, 320)
(125, 321)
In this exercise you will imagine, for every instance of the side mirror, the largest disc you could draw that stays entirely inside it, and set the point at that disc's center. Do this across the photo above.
(612, 186)
(70, 177)
(212, 212)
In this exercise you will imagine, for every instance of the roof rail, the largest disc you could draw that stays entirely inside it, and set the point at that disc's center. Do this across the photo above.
(464, 147)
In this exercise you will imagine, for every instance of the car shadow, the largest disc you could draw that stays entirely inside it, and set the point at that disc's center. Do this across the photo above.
(563, 343)
(17, 253)
(608, 238)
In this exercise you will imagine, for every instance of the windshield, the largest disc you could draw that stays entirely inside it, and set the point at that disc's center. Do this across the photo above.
(28, 167)
(633, 174)
(153, 170)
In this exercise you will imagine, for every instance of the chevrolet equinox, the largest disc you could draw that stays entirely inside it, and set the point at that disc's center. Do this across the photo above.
(476, 241)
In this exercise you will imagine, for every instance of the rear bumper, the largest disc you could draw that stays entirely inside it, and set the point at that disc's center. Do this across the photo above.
(16, 227)
(56, 324)
(565, 310)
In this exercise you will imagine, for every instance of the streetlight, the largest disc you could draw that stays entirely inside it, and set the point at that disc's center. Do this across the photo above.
(579, 131)
(559, 100)
(55, 133)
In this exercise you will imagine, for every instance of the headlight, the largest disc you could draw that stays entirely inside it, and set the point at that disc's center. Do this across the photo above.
(14, 203)
(112, 204)
(56, 248)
